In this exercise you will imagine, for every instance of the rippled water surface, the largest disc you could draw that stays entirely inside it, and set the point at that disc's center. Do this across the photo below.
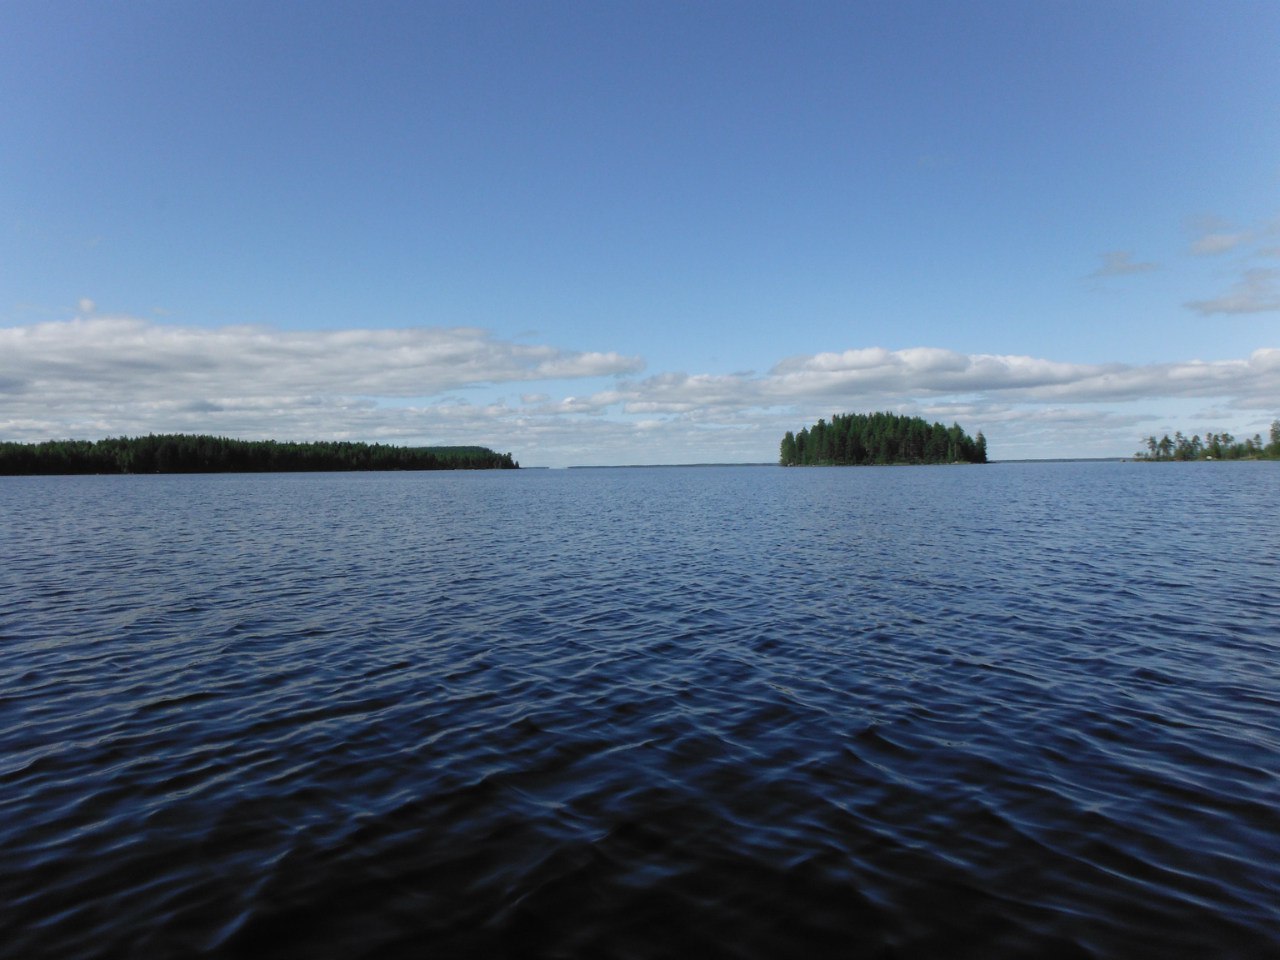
(1022, 709)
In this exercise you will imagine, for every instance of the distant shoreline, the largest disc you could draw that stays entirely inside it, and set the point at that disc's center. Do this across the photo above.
(658, 466)
(669, 466)
(1065, 460)
(178, 453)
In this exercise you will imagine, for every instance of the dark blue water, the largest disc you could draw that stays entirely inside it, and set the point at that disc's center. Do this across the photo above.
(743, 712)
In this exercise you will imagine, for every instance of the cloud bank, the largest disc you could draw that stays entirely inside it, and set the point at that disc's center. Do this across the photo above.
(103, 376)
(134, 359)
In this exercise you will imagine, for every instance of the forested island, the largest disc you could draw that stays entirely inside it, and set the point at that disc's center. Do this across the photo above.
(1214, 446)
(191, 453)
(852, 439)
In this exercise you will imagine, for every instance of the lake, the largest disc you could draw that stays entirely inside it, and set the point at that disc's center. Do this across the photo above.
(1000, 711)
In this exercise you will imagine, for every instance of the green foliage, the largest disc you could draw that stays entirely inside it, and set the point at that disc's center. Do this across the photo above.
(188, 453)
(1214, 446)
(861, 438)
(787, 452)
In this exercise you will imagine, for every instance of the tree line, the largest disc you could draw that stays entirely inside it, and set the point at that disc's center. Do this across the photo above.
(880, 438)
(1214, 446)
(193, 453)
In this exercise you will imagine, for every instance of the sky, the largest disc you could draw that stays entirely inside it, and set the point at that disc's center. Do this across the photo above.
(624, 233)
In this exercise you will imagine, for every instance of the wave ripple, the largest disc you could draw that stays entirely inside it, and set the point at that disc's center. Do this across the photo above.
(1003, 711)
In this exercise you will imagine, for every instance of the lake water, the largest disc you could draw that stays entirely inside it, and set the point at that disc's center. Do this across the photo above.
(1013, 710)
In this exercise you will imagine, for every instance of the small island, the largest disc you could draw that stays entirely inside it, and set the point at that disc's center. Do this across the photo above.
(858, 439)
(1214, 446)
(193, 453)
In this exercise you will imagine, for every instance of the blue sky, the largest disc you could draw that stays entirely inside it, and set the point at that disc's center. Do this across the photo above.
(638, 233)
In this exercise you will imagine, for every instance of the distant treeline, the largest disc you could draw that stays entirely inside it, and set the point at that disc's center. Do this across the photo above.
(1214, 446)
(187, 453)
(862, 438)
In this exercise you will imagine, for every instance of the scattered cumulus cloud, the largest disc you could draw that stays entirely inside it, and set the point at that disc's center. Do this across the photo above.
(1214, 235)
(1256, 289)
(1255, 292)
(1120, 263)
(100, 376)
(1212, 244)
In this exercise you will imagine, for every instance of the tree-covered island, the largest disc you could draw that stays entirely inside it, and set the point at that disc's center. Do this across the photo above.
(1214, 446)
(191, 453)
(880, 438)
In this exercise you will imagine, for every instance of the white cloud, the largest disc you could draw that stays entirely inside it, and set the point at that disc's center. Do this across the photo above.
(116, 375)
(132, 359)
(922, 371)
